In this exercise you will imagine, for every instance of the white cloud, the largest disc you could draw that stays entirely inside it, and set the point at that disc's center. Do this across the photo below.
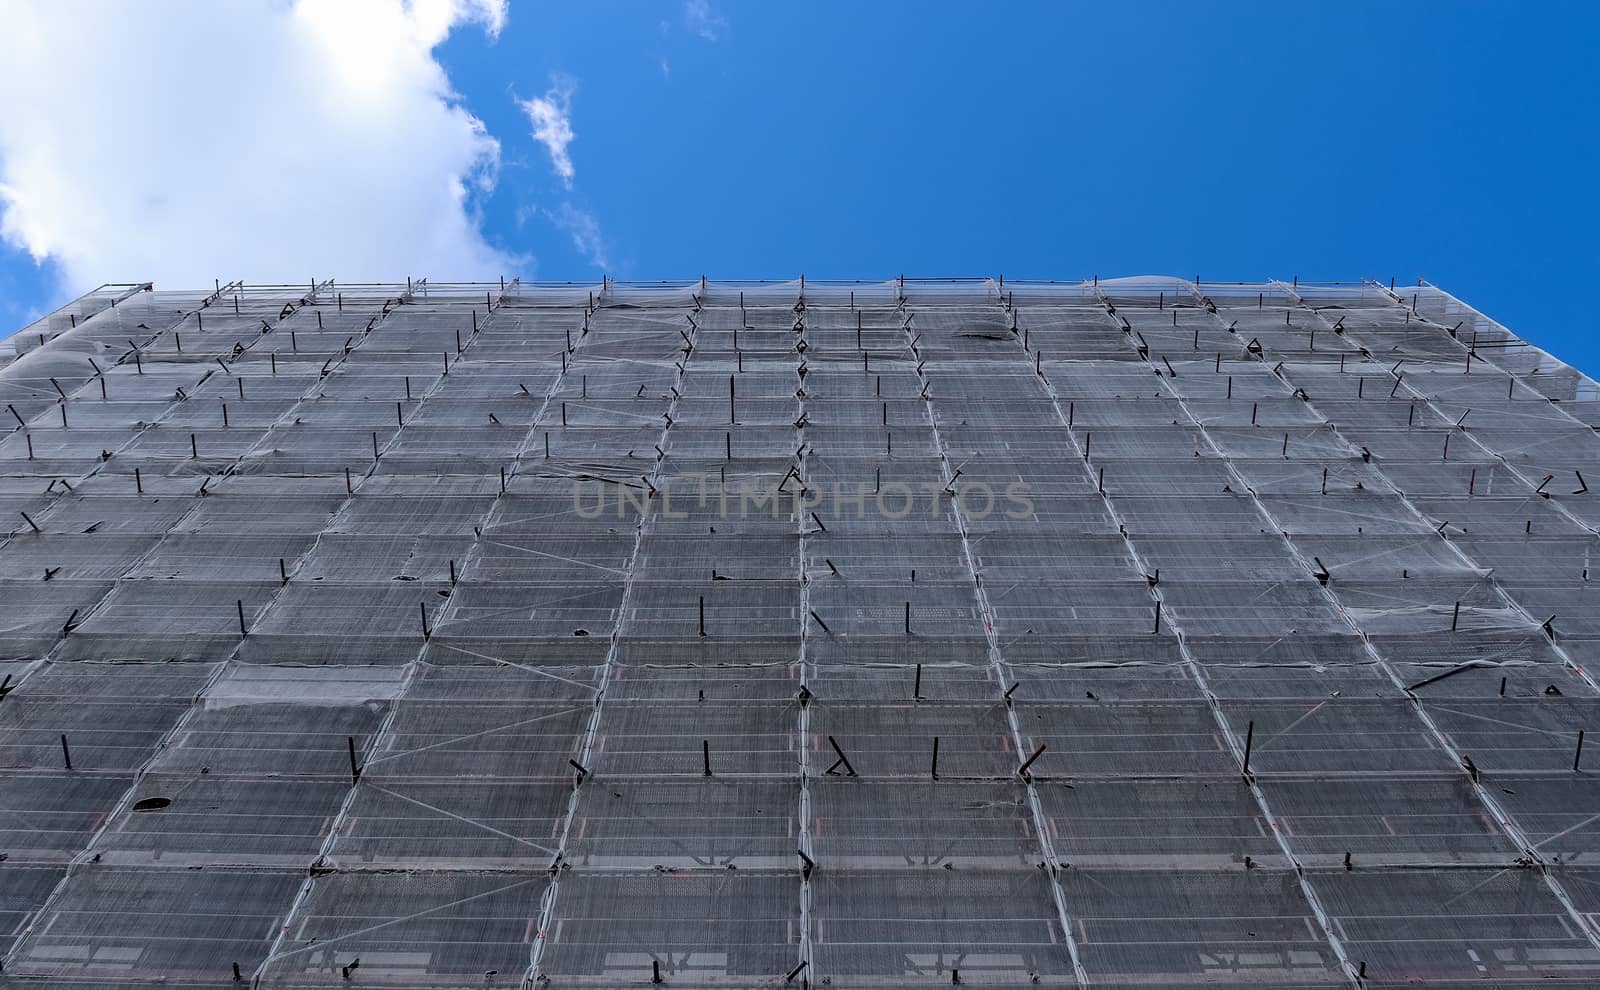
(704, 21)
(180, 140)
(551, 116)
(584, 230)
(436, 17)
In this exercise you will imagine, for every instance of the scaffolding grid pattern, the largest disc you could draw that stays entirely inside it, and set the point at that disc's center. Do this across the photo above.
(1129, 632)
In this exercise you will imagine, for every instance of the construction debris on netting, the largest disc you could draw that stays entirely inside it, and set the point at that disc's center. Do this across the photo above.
(1148, 631)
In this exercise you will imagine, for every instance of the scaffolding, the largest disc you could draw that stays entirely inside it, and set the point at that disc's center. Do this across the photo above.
(1117, 632)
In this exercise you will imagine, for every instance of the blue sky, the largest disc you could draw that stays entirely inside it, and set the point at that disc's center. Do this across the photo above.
(1453, 141)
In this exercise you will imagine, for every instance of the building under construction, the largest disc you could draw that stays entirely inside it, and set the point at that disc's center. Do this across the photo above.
(1142, 632)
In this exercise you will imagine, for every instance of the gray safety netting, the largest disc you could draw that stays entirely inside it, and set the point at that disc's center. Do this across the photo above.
(1135, 632)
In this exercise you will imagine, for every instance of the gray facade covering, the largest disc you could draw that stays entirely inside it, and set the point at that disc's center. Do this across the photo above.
(1131, 633)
